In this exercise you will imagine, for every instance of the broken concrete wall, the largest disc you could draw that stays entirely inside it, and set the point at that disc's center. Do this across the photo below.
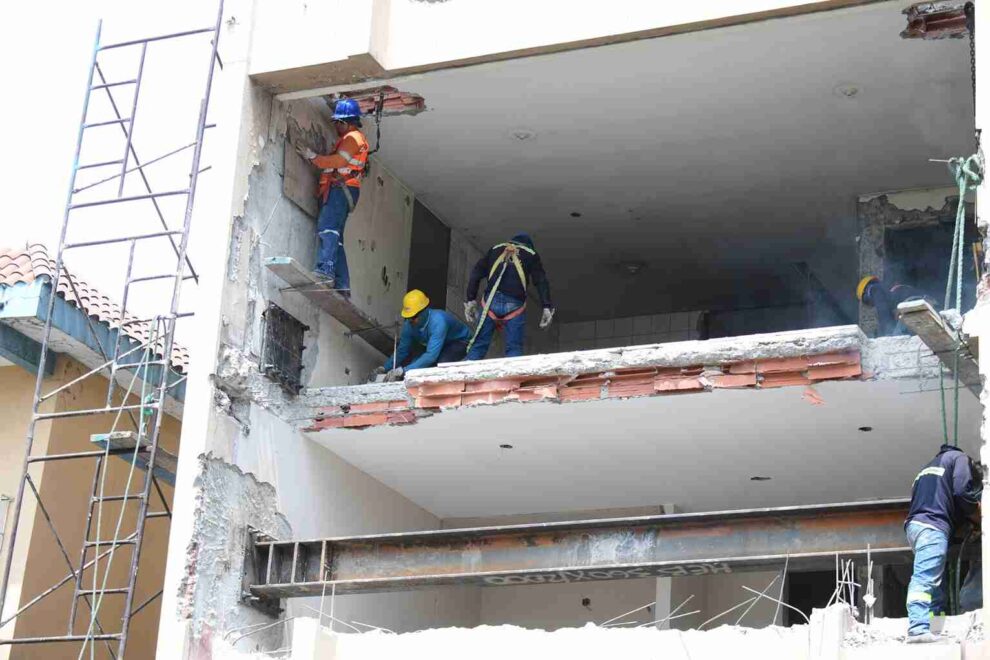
(881, 213)
(376, 240)
(228, 503)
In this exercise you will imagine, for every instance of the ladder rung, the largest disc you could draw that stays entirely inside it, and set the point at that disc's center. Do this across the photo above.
(114, 84)
(108, 543)
(103, 164)
(158, 514)
(65, 457)
(65, 638)
(118, 498)
(109, 122)
(148, 278)
(117, 200)
(95, 592)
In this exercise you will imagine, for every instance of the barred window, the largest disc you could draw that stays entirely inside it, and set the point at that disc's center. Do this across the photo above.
(282, 347)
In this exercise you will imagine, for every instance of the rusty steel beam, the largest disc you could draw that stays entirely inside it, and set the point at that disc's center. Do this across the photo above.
(610, 549)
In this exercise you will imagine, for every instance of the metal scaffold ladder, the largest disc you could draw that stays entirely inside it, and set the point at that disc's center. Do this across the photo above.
(125, 363)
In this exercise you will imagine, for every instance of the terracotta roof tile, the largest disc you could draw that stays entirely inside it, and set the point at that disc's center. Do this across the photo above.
(32, 262)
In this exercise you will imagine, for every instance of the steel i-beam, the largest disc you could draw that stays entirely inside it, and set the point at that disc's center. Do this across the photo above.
(612, 549)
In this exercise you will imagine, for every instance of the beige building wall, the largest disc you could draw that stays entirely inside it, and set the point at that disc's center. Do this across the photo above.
(64, 487)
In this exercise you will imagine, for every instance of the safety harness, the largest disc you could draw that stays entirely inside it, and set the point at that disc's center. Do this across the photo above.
(509, 255)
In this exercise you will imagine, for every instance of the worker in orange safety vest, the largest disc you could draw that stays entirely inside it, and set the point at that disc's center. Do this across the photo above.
(340, 188)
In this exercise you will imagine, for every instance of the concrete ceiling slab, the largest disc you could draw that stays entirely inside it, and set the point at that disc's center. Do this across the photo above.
(717, 158)
(698, 451)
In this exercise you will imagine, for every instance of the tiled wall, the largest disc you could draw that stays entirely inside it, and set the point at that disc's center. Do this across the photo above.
(628, 331)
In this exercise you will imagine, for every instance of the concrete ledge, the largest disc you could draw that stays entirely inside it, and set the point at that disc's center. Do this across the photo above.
(798, 343)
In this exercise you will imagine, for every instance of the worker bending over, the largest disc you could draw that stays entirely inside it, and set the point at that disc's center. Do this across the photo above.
(340, 188)
(507, 268)
(444, 337)
(873, 293)
(945, 500)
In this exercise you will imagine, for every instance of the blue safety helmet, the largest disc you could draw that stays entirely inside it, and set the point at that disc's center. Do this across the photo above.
(347, 110)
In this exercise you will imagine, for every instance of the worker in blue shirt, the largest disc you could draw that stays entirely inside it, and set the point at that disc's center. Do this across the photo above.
(444, 337)
(945, 498)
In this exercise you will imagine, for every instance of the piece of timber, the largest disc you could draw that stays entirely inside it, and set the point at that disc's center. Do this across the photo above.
(305, 283)
(611, 549)
(921, 318)
(122, 445)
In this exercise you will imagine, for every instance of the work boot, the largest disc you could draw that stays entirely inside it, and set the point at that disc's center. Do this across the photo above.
(324, 279)
(923, 638)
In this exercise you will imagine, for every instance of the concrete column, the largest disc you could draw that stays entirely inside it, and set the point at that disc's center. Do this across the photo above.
(662, 608)
(217, 202)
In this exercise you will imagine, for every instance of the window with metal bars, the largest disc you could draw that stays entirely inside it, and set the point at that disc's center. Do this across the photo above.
(282, 347)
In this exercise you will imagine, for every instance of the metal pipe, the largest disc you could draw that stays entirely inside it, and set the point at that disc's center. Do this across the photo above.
(134, 108)
(170, 324)
(91, 411)
(132, 198)
(148, 40)
(108, 241)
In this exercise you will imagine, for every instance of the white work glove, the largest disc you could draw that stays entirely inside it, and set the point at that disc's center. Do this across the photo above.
(305, 152)
(471, 311)
(546, 318)
(394, 375)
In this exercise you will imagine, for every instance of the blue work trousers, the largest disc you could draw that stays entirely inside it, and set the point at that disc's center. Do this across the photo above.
(924, 597)
(331, 260)
(515, 328)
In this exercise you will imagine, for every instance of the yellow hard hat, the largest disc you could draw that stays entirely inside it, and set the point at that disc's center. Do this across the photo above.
(413, 303)
(863, 283)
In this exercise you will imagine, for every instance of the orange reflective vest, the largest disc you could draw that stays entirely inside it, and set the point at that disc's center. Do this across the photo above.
(345, 165)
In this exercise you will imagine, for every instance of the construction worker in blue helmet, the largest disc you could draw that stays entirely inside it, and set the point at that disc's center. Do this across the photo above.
(508, 269)
(439, 333)
(339, 191)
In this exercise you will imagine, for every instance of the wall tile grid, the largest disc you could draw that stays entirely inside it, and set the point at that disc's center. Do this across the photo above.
(628, 331)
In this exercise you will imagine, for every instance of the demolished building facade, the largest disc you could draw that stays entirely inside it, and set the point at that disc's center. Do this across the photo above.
(708, 353)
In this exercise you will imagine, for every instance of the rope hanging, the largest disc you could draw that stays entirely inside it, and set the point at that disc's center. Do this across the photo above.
(968, 173)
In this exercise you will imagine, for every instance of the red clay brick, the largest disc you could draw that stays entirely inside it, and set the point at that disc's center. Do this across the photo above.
(541, 381)
(734, 380)
(784, 379)
(349, 421)
(631, 388)
(782, 365)
(846, 357)
(534, 393)
(477, 398)
(379, 406)
(836, 371)
(402, 417)
(451, 401)
(812, 396)
(742, 368)
(580, 393)
(437, 389)
(685, 384)
(504, 385)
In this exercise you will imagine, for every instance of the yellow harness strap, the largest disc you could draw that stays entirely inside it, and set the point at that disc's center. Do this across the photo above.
(510, 253)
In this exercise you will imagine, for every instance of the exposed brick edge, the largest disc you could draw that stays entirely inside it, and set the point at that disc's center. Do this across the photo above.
(429, 398)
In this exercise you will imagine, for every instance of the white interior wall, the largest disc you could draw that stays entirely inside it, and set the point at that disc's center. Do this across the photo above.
(322, 495)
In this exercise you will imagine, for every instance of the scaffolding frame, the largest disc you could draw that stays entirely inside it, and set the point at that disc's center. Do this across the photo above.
(150, 359)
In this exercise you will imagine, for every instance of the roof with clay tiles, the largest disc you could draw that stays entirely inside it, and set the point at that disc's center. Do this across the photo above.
(25, 265)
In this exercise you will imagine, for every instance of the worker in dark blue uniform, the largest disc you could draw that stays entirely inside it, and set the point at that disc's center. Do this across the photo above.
(945, 498)
(442, 335)
(507, 268)
(873, 293)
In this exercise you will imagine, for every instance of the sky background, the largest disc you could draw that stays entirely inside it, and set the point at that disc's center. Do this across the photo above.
(46, 49)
